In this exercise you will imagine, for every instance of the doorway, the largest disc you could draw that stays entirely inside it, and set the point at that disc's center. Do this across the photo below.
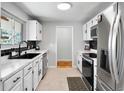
(64, 36)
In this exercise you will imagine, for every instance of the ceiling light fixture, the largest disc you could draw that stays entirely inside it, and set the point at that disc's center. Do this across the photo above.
(64, 6)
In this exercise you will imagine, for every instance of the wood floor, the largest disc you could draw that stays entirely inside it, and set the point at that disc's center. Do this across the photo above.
(56, 79)
(64, 64)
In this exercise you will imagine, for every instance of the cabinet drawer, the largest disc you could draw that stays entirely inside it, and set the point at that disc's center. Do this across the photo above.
(36, 61)
(27, 69)
(12, 81)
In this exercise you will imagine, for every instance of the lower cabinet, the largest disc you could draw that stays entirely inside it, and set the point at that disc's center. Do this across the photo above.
(18, 86)
(13, 81)
(27, 79)
(35, 74)
(28, 82)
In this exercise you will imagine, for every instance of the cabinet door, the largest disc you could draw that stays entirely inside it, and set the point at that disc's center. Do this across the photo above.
(35, 79)
(84, 32)
(40, 68)
(95, 21)
(79, 63)
(28, 82)
(32, 35)
(89, 24)
(39, 31)
(17, 87)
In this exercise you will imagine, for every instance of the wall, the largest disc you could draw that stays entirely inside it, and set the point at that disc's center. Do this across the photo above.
(13, 9)
(64, 43)
(49, 39)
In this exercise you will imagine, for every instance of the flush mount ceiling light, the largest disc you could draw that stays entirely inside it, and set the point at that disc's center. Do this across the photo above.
(64, 6)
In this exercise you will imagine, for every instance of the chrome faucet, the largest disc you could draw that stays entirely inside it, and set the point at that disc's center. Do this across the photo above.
(20, 46)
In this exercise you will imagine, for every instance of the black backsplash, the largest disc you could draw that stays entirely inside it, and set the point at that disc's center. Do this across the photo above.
(8, 51)
(32, 45)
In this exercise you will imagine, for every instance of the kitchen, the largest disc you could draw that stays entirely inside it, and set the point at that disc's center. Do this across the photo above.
(61, 46)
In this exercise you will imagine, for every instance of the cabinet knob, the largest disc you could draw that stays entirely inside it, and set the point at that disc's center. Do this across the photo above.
(26, 89)
(40, 31)
(16, 79)
(29, 68)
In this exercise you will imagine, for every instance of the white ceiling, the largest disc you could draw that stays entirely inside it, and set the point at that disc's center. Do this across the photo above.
(47, 11)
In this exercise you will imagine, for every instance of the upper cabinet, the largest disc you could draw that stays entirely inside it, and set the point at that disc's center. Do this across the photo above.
(34, 32)
(85, 32)
(87, 29)
(89, 25)
(95, 21)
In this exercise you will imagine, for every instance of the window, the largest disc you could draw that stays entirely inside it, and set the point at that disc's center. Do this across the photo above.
(11, 29)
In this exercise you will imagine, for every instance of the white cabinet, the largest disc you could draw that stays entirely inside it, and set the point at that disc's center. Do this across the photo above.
(35, 74)
(12, 81)
(34, 32)
(89, 25)
(18, 87)
(95, 21)
(87, 28)
(40, 68)
(79, 62)
(28, 82)
(85, 32)
(27, 78)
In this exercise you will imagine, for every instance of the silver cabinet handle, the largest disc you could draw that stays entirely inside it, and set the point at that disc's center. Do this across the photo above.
(36, 62)
(26, 89)
(29, 68)
(14, 81)
(114, 42)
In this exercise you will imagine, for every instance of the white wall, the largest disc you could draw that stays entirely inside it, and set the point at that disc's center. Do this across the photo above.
(64, 43)
(49, 39)
(13, 9)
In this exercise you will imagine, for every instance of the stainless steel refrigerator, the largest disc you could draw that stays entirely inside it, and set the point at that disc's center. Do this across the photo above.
(110, 57)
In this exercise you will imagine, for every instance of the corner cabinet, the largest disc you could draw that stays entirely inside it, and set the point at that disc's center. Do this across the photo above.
(34, 32)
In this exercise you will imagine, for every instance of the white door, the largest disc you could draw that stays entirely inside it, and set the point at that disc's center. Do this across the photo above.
(64, 43)
(18, 87)
(35, 79)
(28, 82)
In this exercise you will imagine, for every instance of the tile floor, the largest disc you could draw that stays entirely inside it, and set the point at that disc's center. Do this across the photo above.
(56, 79)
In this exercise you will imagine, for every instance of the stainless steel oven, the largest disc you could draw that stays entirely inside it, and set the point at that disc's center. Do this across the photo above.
(88, 72)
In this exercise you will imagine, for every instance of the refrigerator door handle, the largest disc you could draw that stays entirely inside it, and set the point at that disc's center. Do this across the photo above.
(110, 48)
(114, 46)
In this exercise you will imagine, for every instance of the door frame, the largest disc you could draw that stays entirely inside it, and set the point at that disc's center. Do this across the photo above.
(72, 43)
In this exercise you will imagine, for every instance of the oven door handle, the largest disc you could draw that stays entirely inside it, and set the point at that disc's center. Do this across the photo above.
(90, 61)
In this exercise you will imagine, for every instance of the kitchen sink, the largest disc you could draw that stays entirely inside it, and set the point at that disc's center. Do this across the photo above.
(25, 56)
